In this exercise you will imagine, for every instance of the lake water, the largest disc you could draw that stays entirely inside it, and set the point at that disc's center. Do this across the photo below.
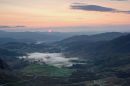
(55, 59)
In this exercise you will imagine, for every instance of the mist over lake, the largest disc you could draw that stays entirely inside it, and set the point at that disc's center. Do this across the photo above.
(55, 59)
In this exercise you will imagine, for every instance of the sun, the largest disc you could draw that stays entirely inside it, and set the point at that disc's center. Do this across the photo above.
(50, 31)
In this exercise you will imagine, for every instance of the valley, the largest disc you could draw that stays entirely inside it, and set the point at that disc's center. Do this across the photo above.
(76, 61)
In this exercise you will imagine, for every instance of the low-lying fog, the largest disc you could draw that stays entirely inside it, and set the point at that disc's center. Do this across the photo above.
(55, 59)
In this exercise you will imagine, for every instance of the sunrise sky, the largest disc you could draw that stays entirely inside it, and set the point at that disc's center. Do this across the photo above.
(78, 14)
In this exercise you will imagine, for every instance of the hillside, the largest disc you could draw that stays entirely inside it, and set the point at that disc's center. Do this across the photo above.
(105, 60)
(3, 65)
(92, 38)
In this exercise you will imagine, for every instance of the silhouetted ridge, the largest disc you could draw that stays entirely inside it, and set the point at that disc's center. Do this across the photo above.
(3, 65)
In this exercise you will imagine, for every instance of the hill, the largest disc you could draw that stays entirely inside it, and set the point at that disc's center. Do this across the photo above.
(105, 60)
(92, 38)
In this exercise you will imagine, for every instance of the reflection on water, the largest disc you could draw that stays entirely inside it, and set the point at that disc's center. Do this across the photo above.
(55, 59)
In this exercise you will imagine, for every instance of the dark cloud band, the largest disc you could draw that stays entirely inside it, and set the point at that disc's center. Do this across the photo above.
(96, 8)
(4, 26)
(119, 0)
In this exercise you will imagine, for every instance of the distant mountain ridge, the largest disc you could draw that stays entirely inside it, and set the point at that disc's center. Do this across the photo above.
(94, 38)
(6, 36)
(33, 36)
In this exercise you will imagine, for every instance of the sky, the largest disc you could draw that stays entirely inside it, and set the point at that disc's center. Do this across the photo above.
(65, 15)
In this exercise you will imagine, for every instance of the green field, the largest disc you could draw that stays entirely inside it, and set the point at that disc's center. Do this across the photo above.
(46, 70)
